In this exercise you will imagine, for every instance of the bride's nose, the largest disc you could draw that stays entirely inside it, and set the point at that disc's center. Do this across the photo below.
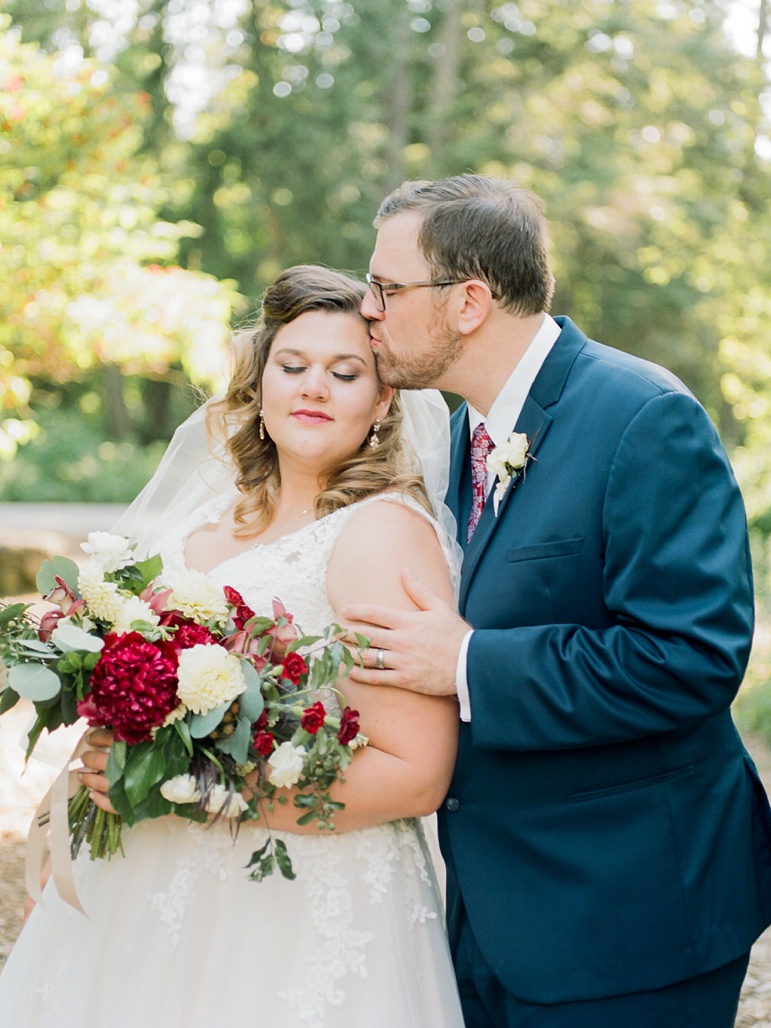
(314, 383)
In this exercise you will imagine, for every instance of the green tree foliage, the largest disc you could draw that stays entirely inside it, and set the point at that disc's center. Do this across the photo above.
(78, 232)
(279, 125)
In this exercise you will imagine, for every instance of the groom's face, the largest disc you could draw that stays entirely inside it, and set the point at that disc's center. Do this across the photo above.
(413, 340)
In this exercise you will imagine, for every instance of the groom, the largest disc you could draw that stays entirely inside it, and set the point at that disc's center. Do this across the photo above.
(608, 843)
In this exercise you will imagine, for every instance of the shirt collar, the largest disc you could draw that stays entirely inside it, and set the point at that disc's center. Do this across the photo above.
(509, 402)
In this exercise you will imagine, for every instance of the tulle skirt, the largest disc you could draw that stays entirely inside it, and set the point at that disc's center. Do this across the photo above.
(176, 935)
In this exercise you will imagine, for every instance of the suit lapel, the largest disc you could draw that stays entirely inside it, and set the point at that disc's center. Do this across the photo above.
(535, 422)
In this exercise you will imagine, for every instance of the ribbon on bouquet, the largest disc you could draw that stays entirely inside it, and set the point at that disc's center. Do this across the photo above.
(52, 811)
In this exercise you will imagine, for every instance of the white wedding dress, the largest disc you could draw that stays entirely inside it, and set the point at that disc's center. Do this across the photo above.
(177, 936)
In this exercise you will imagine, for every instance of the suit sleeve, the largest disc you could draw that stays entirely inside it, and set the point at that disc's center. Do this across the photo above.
(677, 587)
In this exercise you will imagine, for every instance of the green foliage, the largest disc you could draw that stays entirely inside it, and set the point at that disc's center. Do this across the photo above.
(71, 462)
(82, 242)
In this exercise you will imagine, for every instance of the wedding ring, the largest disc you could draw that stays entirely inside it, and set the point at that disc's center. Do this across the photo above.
(379, 654)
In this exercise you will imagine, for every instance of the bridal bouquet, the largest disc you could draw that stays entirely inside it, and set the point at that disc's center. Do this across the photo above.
(214, 710)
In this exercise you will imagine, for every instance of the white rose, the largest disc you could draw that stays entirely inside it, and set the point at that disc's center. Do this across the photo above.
(134, 609)
(218, 798)
(196, 597)
(181, 789)
(287, 763)
(113, 552)
(101, 598)
(208, 676)
(512, 452)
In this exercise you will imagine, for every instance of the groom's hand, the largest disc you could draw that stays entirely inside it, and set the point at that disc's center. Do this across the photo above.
(416, 650)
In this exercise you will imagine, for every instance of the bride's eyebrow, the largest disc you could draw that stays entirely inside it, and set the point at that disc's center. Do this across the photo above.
(292, 352)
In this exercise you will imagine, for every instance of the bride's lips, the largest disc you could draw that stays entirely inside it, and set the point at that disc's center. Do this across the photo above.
(311, 417)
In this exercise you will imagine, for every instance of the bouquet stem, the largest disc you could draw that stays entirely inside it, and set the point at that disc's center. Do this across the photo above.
(90, 824)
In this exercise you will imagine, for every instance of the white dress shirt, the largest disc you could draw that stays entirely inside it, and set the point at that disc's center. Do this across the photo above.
(499, 423)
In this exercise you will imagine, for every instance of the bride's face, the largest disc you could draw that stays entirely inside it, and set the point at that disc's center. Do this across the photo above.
(320, 390)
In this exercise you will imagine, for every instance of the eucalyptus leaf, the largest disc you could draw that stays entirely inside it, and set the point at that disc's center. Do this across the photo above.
(237, 744)
(34, 682)
(70, 637)
(202, 725)
(57, 567)
(251, 702)
(36, 646)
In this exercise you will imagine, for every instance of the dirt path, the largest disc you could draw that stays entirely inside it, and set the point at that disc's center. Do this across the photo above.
(21, 791)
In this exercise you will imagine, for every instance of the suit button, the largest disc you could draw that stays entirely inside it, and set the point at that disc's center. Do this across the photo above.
(452, 804)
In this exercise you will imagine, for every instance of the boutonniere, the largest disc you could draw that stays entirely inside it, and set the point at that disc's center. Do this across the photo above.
(508, 461)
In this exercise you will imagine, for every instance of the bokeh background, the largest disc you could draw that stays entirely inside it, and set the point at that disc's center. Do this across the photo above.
(162, 160)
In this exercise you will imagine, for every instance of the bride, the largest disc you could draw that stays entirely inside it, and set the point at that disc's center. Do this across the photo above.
(317, 503)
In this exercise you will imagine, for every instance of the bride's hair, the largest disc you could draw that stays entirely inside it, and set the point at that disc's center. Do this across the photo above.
(235, 418)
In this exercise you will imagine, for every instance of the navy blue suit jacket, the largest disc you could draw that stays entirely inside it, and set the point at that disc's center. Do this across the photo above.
(605, 827)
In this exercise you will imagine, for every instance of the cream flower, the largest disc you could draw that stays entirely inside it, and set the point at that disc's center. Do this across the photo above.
(134, 609)
(208, 677)
(112, 552)
(512, 455)
(180, 789)
(101, 598)
(196, 597)
(218, 798)
(287, 763)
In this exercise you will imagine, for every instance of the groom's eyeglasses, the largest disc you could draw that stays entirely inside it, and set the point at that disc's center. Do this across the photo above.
(379, 289)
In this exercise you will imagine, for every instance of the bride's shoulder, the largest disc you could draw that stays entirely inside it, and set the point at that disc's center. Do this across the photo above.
(391, 508)
(380, 537)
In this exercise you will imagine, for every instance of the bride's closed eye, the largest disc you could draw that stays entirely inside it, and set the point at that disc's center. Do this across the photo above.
(296, 369)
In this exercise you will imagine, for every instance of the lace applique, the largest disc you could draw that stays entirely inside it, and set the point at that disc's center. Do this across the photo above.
(206, 853)
(342, 949)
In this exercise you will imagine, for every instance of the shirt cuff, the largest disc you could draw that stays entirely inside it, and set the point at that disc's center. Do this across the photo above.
(461, 679)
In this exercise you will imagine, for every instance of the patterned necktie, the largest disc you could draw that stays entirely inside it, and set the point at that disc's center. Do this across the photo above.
(481, 446)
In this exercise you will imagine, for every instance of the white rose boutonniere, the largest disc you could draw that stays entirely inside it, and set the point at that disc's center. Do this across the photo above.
(506, 461)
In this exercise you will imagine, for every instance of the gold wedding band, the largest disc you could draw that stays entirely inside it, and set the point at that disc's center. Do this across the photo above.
(379, 654)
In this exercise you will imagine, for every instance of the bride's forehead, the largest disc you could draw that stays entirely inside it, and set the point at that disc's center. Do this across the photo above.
(326, 332)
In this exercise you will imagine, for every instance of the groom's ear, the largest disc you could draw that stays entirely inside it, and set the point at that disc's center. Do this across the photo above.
(475, 304)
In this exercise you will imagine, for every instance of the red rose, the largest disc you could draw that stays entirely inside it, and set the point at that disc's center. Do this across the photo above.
(293, 667)
(313, 718)
(241, 613)
(263, 743)
(133, 687)
(188, 635)
(349, 726)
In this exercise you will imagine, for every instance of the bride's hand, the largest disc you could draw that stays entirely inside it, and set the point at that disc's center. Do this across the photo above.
(94, 761)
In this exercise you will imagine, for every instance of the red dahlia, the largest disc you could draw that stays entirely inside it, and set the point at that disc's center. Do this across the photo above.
(133, 687)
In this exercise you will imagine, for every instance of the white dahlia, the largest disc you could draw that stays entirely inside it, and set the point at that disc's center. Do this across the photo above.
(196, 597)
(208, 677)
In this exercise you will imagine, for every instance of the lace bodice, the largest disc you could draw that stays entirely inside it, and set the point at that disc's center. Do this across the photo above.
(292, 568)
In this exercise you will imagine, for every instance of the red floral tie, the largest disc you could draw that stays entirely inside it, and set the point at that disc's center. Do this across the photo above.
(481, 446)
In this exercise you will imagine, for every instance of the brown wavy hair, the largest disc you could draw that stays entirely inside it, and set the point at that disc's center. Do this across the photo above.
(234, 420)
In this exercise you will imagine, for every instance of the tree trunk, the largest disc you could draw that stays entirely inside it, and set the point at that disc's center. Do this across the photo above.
(445, 83)
(117, 422)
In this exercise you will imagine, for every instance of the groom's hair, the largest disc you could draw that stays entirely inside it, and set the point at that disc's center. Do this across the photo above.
(479, 227)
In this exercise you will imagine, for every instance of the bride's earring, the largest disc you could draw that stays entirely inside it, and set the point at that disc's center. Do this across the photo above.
(373, 439)
(262, 424)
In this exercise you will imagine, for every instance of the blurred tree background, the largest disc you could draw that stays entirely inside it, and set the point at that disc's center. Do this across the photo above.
(162, 160)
